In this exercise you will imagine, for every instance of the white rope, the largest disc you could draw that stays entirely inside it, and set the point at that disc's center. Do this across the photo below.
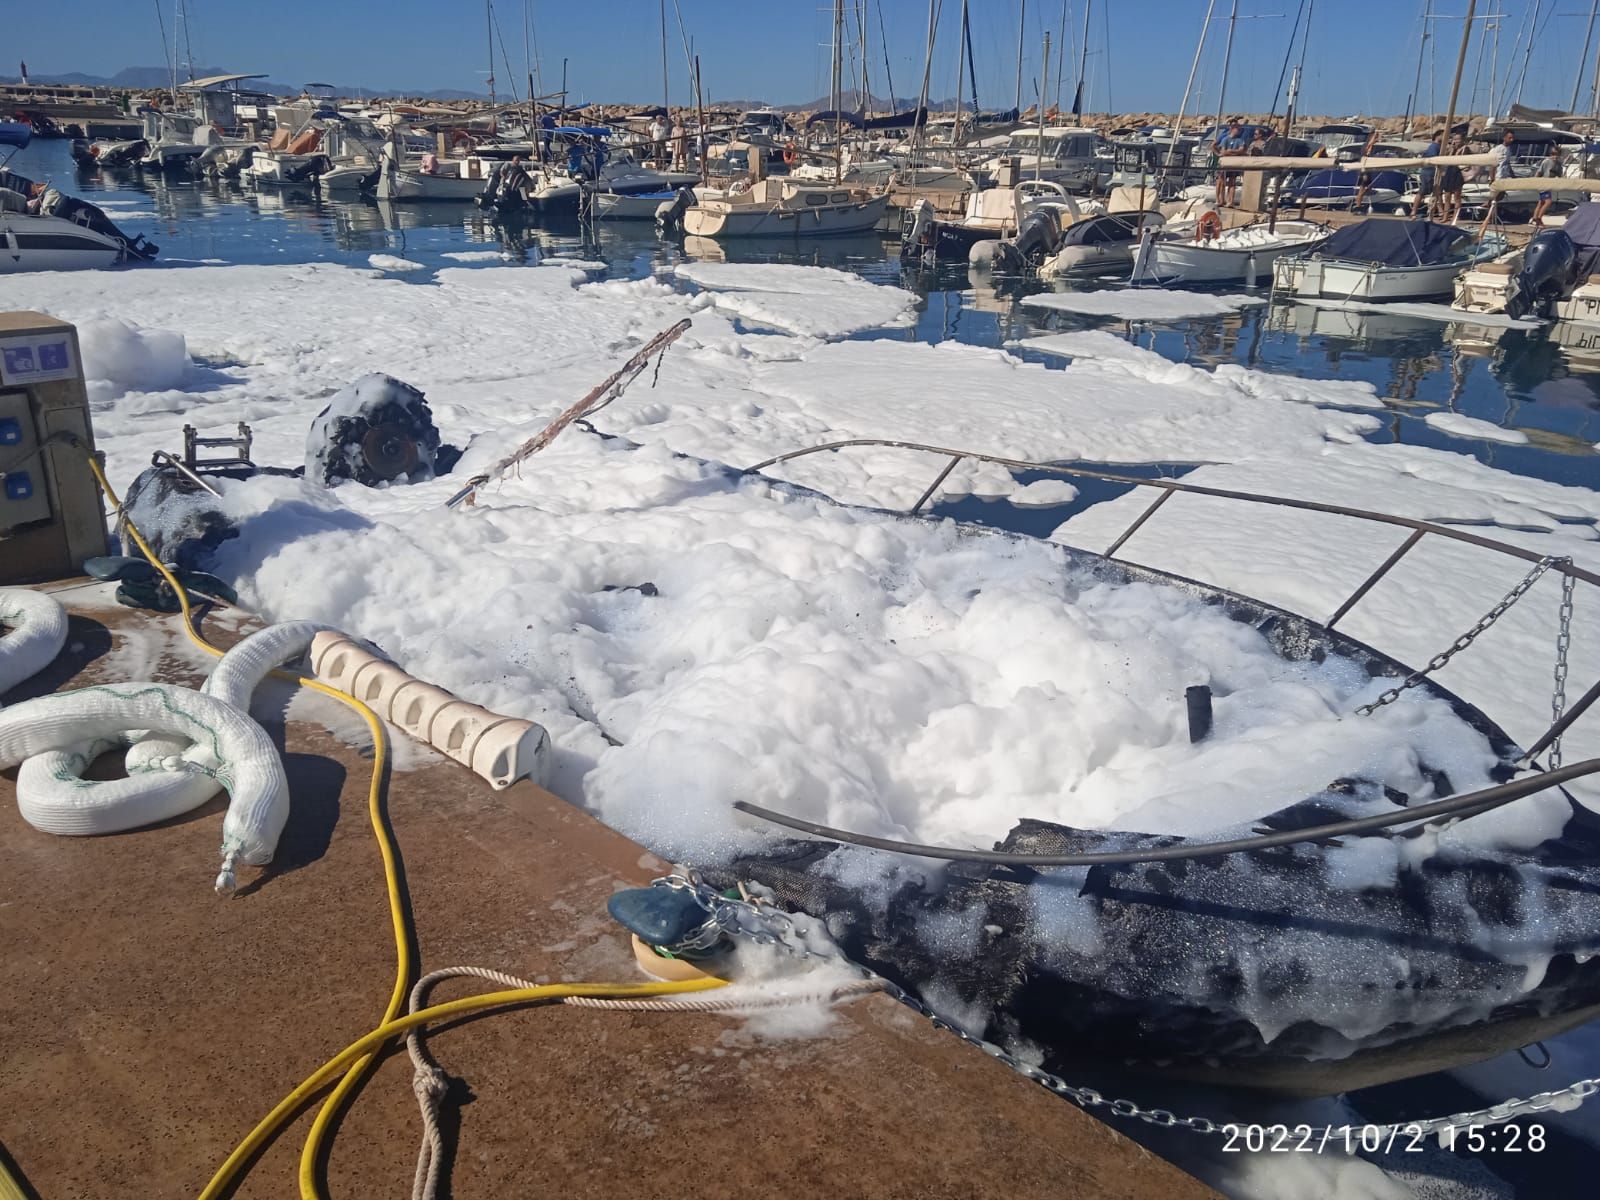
(430, 1084)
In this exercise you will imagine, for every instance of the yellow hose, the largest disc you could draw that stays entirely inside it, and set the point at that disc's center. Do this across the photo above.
(364, 1048)
(358, 1057)
(398, 916)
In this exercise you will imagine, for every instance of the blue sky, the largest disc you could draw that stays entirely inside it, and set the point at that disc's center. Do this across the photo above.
(1362, 56)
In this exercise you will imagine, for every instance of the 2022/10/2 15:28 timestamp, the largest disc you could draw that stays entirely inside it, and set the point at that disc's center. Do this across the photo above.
(1381, 1139)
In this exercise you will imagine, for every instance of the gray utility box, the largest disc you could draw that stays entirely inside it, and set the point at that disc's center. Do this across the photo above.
(50, 513)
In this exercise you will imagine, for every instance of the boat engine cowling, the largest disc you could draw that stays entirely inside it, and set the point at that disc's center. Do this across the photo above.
(1548, 268)
(669, 214)
(1037, 236)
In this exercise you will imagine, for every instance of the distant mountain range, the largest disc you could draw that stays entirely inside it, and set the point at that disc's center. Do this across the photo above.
(140, 79)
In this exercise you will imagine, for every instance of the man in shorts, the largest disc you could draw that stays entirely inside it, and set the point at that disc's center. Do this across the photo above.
(1229, 143)
(1451, 181)
(1425, 177)
(1549, 168)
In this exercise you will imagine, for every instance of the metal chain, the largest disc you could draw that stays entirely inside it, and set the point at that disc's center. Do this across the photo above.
(1558, 695)
(1470, 636)
(759, 920)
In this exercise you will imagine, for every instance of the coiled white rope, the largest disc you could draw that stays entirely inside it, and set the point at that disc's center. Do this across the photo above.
(431, 1084)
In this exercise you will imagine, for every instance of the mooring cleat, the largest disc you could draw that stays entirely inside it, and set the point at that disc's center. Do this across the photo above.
(657, 916)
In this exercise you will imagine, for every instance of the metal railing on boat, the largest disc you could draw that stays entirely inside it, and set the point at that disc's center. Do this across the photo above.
(1469, 804)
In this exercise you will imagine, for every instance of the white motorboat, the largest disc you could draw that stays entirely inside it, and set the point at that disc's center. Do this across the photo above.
(33, 243)
(1099, 245)
(429, 178)
(1555, 275)
(1210, 255)
(785, 208)
(993, 214)
(1385, 259)
(1060, 154)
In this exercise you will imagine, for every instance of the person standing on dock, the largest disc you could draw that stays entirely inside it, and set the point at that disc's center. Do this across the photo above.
(1451, 182)
(1549, 168)
(1231, 142)
(1425, 177)
(658, 140)
(1502, 157)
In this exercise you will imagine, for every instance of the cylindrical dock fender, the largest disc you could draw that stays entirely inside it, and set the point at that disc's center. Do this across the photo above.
(35, 630)
(498, 748)
(225, 745)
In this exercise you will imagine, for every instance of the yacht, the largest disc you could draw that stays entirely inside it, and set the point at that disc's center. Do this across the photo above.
(67, 234)
(1058, 154)
(787, 209)
(994, 214)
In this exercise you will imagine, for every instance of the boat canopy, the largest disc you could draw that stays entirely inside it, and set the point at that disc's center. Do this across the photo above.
(828, 118)
(1394, 243)
(1583, 226)
(15, 133)
(211, 81)
(899, 120)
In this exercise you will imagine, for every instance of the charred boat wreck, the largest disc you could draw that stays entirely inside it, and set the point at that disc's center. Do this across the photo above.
(1356, 936)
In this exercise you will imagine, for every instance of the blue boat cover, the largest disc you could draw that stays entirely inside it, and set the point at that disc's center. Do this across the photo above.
(1583, 225)
(15, 133)
(1346, 181)
(828, 118)
(598, 131)
(1395, 243)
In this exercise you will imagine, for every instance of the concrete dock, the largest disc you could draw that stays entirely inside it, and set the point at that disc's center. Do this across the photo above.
(148, 1024)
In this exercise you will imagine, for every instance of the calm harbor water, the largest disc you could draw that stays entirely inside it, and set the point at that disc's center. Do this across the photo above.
(1524, 380)
(1518, 379)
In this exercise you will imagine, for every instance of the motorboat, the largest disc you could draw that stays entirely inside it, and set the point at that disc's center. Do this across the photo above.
(1556, 275)
(785, 208)
(1339, 187)
(1211, 254)
(1385, 259)
(108, 152)
(66, 234)
(429, 177)
(1058, 154)
(1099, 245)
(178, 140)
(994, 214)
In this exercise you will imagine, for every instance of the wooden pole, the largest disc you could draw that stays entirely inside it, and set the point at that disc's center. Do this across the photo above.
(1455, 86)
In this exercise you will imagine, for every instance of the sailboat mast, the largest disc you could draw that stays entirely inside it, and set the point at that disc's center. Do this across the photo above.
(1044, 79)
(972, 65)
(961, 40)
(888, 71)
(1022, 20)
(1227, 60)
(1422, 47)
(174, 53)
(927, 71)
(666, 81)
(1583, 59)
(1194, 67)
(1083, 61)
(488, 28)
(1461, 63)
(838, 118)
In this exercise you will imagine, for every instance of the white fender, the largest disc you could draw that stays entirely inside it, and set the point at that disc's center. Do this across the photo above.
(226, 744)
(498, 748)
(35, 630)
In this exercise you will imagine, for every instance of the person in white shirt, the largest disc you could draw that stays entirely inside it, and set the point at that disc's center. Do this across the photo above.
(1502, 157)
(659, 130)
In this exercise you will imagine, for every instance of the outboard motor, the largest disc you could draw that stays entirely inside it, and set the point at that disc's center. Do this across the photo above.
(915, 239)
(669, 214)
(1037, 236)
(82, 152)
(1548, 266)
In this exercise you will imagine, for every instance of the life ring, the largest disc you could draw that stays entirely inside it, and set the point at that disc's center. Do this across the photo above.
(789, 155)
(1209, 226)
